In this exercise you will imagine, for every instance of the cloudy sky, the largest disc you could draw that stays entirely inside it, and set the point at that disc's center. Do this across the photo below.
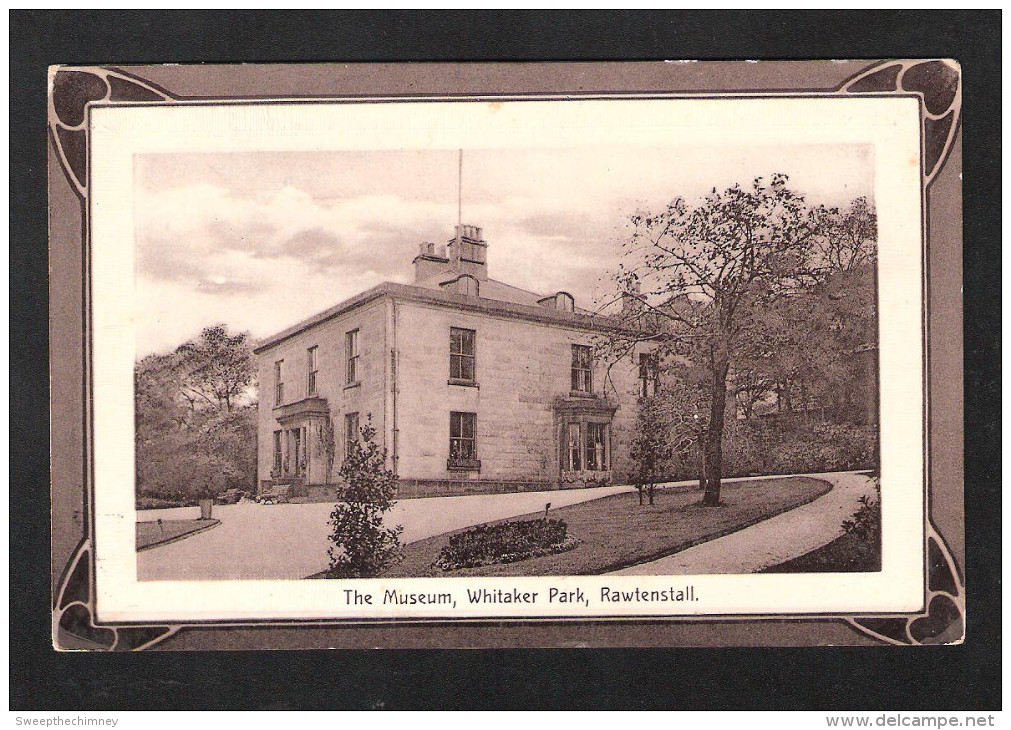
(262, 240)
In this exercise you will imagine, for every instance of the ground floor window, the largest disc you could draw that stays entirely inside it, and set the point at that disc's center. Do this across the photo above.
(574, 453)
(595, 446)
(297, 443)
(277, 451)
(350, 431)
(462, 446)
(586, 446)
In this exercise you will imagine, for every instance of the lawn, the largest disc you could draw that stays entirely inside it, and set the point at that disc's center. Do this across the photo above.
(159, 532)
(847, 554)
(615, 532)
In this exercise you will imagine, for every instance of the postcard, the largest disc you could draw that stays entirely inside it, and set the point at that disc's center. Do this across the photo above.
(651, 354)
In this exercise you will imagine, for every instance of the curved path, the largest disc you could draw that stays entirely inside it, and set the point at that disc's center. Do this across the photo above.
(773, 541)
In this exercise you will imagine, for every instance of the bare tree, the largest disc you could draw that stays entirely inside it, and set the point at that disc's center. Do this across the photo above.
(694, 276)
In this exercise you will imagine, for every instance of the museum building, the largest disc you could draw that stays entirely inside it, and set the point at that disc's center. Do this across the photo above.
(472, 385)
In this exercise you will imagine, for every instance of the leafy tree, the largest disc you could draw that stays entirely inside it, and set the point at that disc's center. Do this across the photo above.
(694, 277)
(361, 546)
(195, 421)
(216, 368)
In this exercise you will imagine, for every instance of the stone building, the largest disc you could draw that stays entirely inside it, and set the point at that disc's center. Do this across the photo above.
(472, 385)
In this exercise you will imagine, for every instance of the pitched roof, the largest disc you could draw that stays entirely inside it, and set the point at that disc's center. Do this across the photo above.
(495, 298)
(491, 289)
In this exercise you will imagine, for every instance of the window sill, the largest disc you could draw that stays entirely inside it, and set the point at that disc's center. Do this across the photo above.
(356, 384)
(463, 382)
(463, 464)
(581, 394)
(587, 476)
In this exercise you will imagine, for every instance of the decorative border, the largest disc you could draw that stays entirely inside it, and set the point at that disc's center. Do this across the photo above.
(937, 83)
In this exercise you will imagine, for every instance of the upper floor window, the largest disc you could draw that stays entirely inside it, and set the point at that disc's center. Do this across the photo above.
(461, 354)
(313, 369)
(278, 384)
(649, 374)
(582, 369)
(351, 353)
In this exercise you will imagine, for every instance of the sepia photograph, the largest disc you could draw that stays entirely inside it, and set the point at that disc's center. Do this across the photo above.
(560, 361)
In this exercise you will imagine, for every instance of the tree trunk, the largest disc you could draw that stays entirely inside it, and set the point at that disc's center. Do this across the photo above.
(702, 465)
(651, 487)
(714, 437)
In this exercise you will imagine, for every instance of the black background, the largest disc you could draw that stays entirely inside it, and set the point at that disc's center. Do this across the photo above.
(958, 678)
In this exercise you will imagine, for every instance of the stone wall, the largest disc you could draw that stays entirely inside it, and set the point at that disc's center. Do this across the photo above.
(331, 382)
(522, 367)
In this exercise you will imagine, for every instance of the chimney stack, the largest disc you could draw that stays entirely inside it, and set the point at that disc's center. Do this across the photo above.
(631, 298)
(468, 251)
(429, 261)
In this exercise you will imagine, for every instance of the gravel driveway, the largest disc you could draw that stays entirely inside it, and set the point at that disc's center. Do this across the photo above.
(290, 540)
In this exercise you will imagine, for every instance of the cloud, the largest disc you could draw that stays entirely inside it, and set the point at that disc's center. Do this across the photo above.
(264, 240)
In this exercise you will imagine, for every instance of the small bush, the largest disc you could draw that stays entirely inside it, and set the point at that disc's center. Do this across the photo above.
(507, 542)
(865, 523)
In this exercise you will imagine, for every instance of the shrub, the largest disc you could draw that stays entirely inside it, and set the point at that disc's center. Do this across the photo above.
(507, 542)
(865, 523)
(780, 448)
(145, 501)
(361, 547)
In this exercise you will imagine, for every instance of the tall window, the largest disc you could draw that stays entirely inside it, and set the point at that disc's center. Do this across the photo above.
(461, 436)
(313, 369)
(582, 369)
(351, 351)
(595, 452)
(296, 444)
(461, 354)
(278, 384)
(277, 451)
(350, 431)
(574, 461)
(649, 374)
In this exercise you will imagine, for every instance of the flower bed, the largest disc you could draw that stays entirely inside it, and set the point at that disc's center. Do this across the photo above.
(506, 542)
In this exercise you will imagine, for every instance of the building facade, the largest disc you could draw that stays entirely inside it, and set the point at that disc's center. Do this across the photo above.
(472, 385)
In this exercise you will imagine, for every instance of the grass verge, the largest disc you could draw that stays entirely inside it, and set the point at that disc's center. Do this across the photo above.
(615, 532)
(160, 532)
(847, 554)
